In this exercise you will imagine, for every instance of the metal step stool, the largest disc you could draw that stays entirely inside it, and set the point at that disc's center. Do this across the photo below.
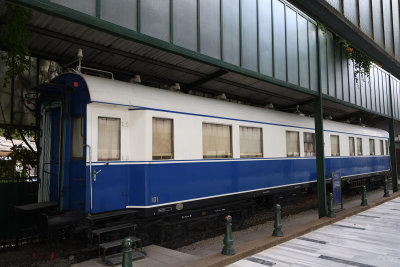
(136, 246)
(98, 232)
(117, 258)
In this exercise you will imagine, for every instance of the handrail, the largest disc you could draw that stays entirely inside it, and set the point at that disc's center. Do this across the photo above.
(90, 178)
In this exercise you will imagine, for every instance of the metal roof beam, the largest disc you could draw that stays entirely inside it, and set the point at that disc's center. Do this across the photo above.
(77, 41)
(205, 79)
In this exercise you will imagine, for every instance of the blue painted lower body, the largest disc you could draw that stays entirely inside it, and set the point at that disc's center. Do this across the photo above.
(149, 184)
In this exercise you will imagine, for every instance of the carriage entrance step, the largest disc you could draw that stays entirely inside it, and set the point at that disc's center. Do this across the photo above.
(109, 215)
(136, 245)
(117, 258)
(120, 227)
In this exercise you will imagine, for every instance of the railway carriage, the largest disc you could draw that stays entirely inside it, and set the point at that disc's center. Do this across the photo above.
(108, 145)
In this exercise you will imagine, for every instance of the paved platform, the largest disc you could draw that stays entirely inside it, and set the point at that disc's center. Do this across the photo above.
(156, 257)
(366, 239)
(266, 241)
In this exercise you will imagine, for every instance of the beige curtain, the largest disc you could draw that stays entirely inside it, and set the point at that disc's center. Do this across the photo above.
(371, 146)
(309, 144)
(109, 139)
(292, 144)
(351, 146)
(387, 147)
(76, 138)
(162, 139)
(359, 147)
(335, 150)
(250, 142)
(217, 141)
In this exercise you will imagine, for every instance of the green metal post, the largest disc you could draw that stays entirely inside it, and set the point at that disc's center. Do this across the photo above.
(278, 224)
(364, 201)
(319, 139)
(228, 240)
(385, 188)
(331, 210)
(127, 252)
(392, 148)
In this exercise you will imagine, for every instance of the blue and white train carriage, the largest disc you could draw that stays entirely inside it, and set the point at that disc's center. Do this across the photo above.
(109, 145)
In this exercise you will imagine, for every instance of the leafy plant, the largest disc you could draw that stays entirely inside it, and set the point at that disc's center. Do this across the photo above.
(14, 40)
(362, 62)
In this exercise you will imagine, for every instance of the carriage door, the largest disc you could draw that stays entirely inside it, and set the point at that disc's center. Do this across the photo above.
(110, 175)
(49, 162)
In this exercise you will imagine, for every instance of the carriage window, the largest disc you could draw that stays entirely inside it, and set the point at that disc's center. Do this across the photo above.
(162, 139)
(292, 144)
(359, 146)
(76, 138)
(387, 147)
(382, 148)
(309, 144)
(217, 141)
(250, 142)
(335, 148)
(371, 146)
(351, 146)
(109, 139)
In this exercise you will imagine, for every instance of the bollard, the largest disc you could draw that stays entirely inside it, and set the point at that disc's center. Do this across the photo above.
(127, 252)
(228, 240)
(364, 201)
(331, 210)
(385, 188)
(278, 224)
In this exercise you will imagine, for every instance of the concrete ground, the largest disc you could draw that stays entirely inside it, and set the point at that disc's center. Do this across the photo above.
(365, 239)
(249, 241)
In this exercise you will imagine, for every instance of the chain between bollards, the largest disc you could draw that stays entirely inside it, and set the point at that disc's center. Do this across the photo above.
(278, 223)
(331, 210)
(385, 188)
(364, 200)
(228, 240)
(127, 252)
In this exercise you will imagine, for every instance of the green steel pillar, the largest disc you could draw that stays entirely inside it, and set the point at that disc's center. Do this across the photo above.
(319, 139)
(392, 147)
(392, 150)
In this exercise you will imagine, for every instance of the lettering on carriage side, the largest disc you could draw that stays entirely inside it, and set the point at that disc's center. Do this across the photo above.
(186, 216)
(219, 210)
(154, 199)
(166, 209)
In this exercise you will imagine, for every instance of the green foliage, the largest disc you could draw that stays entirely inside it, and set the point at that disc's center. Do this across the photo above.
(14, 134)
(14, 39)
(18, 153)
(362, 62)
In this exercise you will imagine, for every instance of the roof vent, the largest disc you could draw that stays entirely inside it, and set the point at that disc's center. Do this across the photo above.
(175, 87)
(135, 79)
(269, 106)
(222, 96)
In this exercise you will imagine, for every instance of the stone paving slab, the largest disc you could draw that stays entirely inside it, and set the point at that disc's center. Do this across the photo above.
(248, 249)
(156, 257)
(365, 240)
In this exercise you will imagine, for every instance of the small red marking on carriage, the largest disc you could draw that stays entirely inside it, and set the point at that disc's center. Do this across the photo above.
(76, 84)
